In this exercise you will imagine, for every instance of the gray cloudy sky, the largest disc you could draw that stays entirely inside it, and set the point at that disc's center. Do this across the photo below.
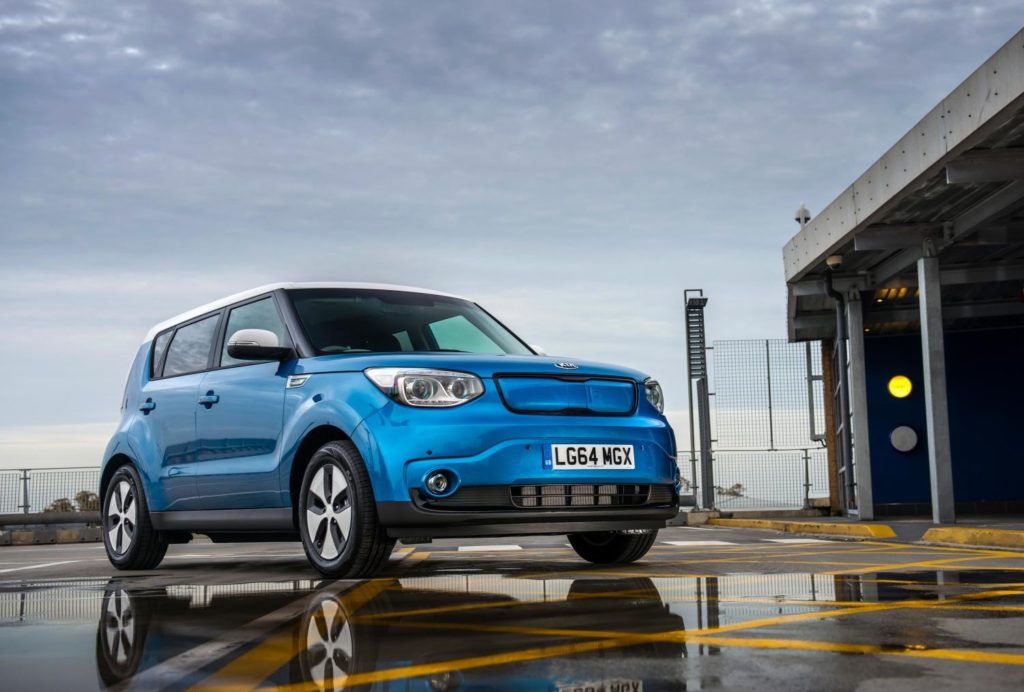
(573, 166)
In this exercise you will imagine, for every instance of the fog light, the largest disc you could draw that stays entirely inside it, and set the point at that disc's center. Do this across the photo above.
(437, 483)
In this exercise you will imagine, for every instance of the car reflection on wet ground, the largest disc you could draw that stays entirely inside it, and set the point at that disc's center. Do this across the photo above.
(697, 615)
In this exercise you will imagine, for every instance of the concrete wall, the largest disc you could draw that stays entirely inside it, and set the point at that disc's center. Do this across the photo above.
(985, 378)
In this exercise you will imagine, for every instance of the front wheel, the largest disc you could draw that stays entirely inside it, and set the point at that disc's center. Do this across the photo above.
(612, 547)
(338, 516)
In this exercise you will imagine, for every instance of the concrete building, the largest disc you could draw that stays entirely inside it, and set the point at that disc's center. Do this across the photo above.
(916, 271)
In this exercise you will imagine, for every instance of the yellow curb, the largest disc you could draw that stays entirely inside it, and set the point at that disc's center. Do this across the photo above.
(813, 527)
(998, 538)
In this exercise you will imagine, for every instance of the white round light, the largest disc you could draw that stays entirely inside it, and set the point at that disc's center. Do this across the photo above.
(903, 439)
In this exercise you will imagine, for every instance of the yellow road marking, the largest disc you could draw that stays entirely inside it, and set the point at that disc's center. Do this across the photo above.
(908, 565)
(258, 663)
(846, 648)
(844, 530)
(485, 661)
(462, 607)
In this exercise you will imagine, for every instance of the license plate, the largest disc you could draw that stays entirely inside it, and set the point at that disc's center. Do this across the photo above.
(588, 457)
(603, 686)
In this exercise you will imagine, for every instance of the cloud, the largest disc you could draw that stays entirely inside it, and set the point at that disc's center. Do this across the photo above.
(573, 166)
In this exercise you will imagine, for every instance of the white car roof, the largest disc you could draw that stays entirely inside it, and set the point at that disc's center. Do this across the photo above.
(217, 304)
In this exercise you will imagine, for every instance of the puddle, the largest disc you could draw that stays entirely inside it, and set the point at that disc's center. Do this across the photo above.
(463, 631)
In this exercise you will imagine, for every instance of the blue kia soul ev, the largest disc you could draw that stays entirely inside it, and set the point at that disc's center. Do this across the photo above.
(349, 416)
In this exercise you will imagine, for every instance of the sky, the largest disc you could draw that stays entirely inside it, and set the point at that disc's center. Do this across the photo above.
(572, 166)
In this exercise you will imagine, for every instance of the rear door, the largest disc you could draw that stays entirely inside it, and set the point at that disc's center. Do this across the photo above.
(239, 426)
(180, 357)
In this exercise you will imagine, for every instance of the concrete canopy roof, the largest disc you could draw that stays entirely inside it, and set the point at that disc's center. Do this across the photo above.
(955, 181)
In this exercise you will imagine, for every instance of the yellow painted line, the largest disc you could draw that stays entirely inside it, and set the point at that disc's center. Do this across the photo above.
(818, 528)
(964, 655)
(707, 636)
(485, 661)
(962, 535)
(510, 603)
(909, 565)
(261, 661)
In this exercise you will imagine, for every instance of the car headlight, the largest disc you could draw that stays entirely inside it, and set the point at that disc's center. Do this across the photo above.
(654, 395)
(426, 388)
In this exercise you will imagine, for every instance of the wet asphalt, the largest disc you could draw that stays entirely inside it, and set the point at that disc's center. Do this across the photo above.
(706, 609)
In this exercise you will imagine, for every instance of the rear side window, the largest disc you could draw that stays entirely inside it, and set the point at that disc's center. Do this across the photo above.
(190, 349)
(261, 314)
(159, 348)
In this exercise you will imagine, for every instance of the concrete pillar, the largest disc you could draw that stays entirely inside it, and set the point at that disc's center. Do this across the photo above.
(859, 408)
(933, 350)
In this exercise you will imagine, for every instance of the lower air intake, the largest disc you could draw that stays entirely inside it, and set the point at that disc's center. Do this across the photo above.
(547, 496)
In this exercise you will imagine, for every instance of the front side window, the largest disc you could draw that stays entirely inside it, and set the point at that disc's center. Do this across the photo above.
(343, 320)
(190, 349)
(261, 314)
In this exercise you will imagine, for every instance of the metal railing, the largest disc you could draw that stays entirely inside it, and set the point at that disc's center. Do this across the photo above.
(762, 479)
(60, 489)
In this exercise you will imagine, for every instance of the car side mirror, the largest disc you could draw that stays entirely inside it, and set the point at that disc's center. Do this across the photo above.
(256, 344)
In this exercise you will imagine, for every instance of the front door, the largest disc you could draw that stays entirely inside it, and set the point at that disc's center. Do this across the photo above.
(240, 420)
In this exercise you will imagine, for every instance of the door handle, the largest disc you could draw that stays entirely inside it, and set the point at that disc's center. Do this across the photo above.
(147, 406)
(209, 399)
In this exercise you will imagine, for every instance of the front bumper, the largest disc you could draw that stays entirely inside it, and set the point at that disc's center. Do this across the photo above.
(484, 444)
(406, 520)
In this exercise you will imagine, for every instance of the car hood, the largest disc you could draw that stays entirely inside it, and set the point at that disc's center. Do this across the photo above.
(478, 364)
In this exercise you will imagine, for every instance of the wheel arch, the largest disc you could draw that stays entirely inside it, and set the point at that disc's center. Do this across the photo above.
(311, 441)
(110, 468)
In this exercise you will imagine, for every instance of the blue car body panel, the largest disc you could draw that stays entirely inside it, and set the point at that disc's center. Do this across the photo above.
(238, 452)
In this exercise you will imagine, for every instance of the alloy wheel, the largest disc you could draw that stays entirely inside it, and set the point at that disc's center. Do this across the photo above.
(121, 519)
(329, 646)
(119, 627)
(328, 512)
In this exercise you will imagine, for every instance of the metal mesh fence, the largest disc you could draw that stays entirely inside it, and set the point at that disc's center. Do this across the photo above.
(762, 393)
(747, 479)
(50, 490)
(768, 418)
(10, 491)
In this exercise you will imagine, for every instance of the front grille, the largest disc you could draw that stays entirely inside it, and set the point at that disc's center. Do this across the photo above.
(567, 395)
(528, 496)
(503, 497)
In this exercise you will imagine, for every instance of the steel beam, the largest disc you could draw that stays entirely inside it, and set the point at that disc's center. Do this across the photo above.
(951, 275)
(986, 166)
(859, 408)
(895, 236)
(985, 211)
(940, 461)
(964, 311)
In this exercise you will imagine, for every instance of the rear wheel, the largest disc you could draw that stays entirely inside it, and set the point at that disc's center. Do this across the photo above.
(612, 547)
(128, 535)
(338, 516)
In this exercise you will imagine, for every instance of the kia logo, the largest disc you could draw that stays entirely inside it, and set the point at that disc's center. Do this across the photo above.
(567, 366)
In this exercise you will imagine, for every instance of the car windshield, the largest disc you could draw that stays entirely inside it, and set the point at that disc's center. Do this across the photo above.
(343, 320)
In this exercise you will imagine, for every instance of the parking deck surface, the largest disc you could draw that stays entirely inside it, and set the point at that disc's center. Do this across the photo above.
(707, 609)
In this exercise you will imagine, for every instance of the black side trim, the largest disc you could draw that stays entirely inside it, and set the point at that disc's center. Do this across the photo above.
(277, 519)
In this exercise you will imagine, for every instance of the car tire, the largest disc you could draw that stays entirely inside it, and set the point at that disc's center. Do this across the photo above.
(120, 635)
(339, 528)
(128, 534)
(612, 547)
